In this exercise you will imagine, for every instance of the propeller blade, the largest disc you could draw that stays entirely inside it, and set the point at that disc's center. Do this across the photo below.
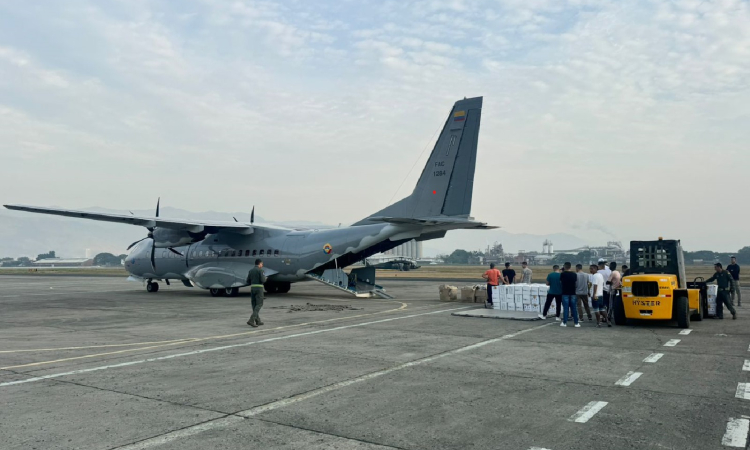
(153, 253)
(158, 200)
(139, 240)
(252, 215)
(175, 251)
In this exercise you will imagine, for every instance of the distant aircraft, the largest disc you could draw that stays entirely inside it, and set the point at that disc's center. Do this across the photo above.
(218, 255)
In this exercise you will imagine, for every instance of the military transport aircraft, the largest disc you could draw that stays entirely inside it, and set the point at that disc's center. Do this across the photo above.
(218, 255)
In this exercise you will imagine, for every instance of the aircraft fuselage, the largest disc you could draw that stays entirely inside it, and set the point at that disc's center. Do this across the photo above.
(223, 260)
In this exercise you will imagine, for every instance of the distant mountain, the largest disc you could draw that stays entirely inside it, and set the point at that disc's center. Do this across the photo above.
(26, 234)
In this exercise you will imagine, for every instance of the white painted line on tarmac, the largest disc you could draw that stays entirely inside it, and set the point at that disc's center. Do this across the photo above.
(653, 357)
(743, 391)
(686, 332)
(746, 366)
(672, 342)
(190, 431)
(628, 379)
(214, 349)
(587, 412)
(537, 448)
(736, 434)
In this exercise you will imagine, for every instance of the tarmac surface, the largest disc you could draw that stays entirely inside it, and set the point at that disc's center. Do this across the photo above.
(99, 363)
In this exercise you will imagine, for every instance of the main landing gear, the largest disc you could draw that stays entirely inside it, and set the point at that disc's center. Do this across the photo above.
(221, 292)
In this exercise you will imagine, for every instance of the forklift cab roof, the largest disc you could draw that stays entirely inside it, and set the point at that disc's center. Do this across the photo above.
(658, 257)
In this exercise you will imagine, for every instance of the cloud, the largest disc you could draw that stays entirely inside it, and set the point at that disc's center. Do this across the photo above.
(210, 101)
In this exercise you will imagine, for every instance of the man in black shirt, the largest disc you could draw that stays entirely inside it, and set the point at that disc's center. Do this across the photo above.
(568, 280)
(509, 274)
(734, 270)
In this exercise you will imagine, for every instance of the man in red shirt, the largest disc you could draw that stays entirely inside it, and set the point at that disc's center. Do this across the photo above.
(493, 277)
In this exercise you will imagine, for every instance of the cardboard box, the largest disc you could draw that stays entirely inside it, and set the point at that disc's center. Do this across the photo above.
(495, 294)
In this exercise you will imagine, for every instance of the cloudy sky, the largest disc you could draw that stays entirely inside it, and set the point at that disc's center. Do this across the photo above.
(601, 118)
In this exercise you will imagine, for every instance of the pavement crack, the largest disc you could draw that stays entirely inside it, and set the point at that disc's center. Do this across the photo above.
(311, 430)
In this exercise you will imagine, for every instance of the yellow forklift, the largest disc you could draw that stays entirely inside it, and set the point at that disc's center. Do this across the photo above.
(656, 288)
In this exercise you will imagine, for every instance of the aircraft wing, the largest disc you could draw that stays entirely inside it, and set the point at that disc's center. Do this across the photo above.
(173, 224)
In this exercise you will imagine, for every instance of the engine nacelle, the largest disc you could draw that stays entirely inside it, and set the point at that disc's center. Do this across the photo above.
(165, 237)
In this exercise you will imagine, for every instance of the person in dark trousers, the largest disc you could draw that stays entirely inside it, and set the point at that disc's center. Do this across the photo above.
(493, 277)
(568, 280)
(554, 293)
(734, 269)
(726, 285)
(509, 274)
(582, 291)
(256, 278)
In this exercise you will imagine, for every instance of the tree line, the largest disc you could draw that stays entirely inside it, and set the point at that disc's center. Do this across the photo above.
(461, 256)
(102, 260)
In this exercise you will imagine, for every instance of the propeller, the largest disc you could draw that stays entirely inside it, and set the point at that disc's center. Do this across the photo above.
(252, 215)
(151, 236)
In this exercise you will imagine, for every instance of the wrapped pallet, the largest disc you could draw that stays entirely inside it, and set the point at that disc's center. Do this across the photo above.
(467, 294)
(713, 292)
(448, 293)
(480, 294)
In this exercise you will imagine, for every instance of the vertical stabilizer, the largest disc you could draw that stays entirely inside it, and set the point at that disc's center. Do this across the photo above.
(446, 185)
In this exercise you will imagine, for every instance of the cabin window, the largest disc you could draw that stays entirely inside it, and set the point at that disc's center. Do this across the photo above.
(247, 252)
(234, 253)
(261, 253)
(255, 252)
(269, 252)
(275, 253)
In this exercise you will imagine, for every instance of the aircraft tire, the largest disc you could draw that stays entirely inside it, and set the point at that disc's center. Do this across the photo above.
(682, 312)
(152, 287)
(232, 292)
(283, 288)
(217, 292)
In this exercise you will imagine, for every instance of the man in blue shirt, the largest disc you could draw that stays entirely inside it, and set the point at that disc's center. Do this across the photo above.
(734, 270)
(555, 292)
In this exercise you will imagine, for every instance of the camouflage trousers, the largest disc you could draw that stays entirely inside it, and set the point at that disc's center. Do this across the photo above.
(256, 297)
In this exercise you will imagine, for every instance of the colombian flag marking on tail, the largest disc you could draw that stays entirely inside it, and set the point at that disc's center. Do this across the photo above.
(459, 116)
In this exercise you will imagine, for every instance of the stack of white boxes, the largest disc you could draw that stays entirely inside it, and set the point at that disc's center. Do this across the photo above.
(520, 297)
(713, 292)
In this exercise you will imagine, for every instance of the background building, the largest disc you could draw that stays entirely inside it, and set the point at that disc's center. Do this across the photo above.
(63, 262)
(411, 249)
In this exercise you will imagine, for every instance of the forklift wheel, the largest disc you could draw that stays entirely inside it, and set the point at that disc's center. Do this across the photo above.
(682, 312)
(619, 312)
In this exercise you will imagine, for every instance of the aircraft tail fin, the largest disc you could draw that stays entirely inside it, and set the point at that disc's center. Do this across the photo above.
(446, 185)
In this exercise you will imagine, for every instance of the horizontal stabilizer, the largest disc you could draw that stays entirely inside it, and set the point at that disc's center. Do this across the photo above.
(450, 222)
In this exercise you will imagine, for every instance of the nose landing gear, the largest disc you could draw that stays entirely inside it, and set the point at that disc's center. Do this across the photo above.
(152, 286)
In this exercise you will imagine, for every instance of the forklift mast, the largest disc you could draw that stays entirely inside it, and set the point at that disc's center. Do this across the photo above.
(658, 257)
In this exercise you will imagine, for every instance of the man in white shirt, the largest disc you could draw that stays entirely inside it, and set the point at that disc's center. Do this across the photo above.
(597, 299)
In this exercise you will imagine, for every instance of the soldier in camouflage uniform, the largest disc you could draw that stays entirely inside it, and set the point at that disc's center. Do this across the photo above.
(256, 278)
(726, 285)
